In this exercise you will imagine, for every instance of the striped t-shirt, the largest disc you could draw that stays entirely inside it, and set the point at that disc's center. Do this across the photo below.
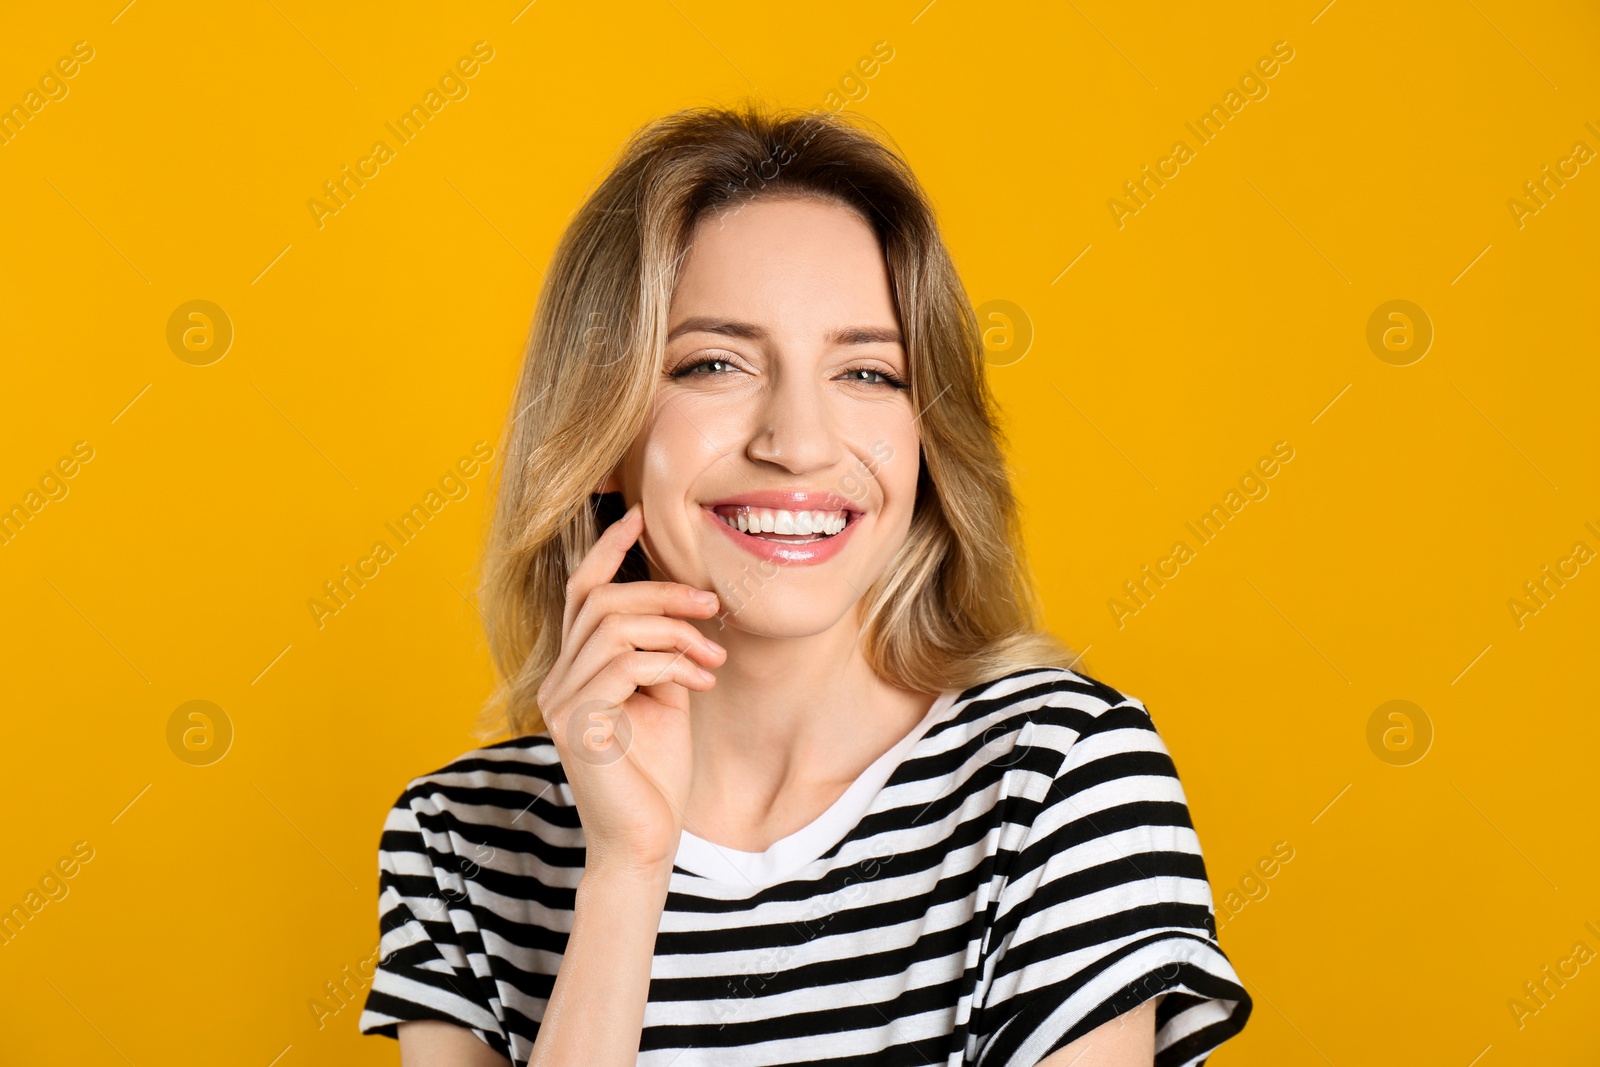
(1016, 871)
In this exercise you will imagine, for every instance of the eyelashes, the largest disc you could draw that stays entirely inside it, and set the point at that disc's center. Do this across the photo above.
(888, 378)
(686, 369)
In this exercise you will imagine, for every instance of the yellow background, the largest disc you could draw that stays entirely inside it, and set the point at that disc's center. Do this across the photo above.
(1228, 314)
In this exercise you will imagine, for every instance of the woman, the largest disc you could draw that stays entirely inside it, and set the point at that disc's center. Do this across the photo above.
(796, 777)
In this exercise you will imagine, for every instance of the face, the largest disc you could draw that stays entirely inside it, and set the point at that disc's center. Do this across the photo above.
(779, 466)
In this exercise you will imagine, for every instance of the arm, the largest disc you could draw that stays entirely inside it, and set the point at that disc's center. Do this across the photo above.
(596, 1009)
(614, 655)
(1129, 1040)
(435, 1043)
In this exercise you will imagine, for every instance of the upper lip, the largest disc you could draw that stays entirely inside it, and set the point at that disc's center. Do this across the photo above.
(788, 500)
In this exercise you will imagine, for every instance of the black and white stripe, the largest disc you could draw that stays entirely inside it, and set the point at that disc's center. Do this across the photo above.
(1027, 872)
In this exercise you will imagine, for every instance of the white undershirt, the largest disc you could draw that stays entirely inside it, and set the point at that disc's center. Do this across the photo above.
(787, 855)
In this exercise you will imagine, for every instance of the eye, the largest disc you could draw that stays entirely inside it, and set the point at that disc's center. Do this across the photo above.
(883, 377)
(688, 369)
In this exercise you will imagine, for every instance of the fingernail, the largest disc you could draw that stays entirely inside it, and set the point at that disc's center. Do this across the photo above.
(707, 598)
(714, 646)
(707, 675)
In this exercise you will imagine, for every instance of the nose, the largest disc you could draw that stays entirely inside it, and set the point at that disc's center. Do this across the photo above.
(793, 427)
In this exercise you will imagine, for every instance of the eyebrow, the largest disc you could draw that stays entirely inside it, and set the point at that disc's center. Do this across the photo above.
(844, 335)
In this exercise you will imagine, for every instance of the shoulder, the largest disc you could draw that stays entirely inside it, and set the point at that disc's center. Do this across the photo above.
(1034, 718)
(512, 785)
(511, 765)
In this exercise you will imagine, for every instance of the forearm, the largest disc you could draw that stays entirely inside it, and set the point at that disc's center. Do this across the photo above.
(596, 1009)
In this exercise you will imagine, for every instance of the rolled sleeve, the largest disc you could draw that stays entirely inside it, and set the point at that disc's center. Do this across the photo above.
(424, 969)
(1106, 906)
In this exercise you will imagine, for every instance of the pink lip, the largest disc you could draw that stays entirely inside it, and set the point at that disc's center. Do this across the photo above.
(789, 500)
(778, 551)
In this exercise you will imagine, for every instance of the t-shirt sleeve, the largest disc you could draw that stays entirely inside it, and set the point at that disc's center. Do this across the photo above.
(1106, 905)
(426, 927)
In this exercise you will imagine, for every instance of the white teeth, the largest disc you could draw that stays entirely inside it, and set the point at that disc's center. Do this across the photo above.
(776, 520)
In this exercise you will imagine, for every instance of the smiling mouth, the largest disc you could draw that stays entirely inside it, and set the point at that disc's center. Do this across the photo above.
(783, 526)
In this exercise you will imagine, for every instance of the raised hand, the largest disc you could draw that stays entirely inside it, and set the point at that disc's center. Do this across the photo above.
(617, 703)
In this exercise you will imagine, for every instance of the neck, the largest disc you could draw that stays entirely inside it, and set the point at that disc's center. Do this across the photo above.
(792, 721)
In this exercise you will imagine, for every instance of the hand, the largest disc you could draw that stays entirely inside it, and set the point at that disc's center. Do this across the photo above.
(617, 703)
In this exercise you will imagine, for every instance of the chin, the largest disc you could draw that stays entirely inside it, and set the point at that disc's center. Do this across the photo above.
(795, 605)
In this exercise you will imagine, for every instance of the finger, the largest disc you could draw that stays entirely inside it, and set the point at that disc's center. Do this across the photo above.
(627, 674)
(576, 685)
(617, 633)
(632, 598)
(667, 694)
(640, 668)
(637, 598)
(601, 562)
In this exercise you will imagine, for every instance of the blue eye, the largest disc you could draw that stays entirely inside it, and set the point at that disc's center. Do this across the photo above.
(884, 377)
(686, 370)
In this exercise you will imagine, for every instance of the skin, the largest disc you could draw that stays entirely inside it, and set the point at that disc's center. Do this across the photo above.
(789, 712)
(799, 270)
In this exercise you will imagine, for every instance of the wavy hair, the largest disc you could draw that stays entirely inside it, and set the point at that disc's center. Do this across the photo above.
(956, 605)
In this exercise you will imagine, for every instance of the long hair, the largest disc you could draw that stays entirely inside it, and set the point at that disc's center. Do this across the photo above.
(955, 607)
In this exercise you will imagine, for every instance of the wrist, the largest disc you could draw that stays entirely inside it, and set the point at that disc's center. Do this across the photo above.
(624, 882)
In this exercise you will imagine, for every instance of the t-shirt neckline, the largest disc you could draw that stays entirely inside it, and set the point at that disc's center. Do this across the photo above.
(784, 857)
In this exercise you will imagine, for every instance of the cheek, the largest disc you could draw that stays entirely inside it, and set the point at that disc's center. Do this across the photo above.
(675, 448)
(889, 449)
(654, 465)
(663, 469)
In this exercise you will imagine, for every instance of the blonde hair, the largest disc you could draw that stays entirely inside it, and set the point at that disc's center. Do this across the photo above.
(955, 607)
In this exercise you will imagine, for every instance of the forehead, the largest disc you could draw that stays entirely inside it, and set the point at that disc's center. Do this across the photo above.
(803, 266)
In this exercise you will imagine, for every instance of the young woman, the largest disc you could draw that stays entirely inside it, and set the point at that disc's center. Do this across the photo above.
(795, 776)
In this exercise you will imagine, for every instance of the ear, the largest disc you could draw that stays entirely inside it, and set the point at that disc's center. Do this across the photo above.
(612, 484)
